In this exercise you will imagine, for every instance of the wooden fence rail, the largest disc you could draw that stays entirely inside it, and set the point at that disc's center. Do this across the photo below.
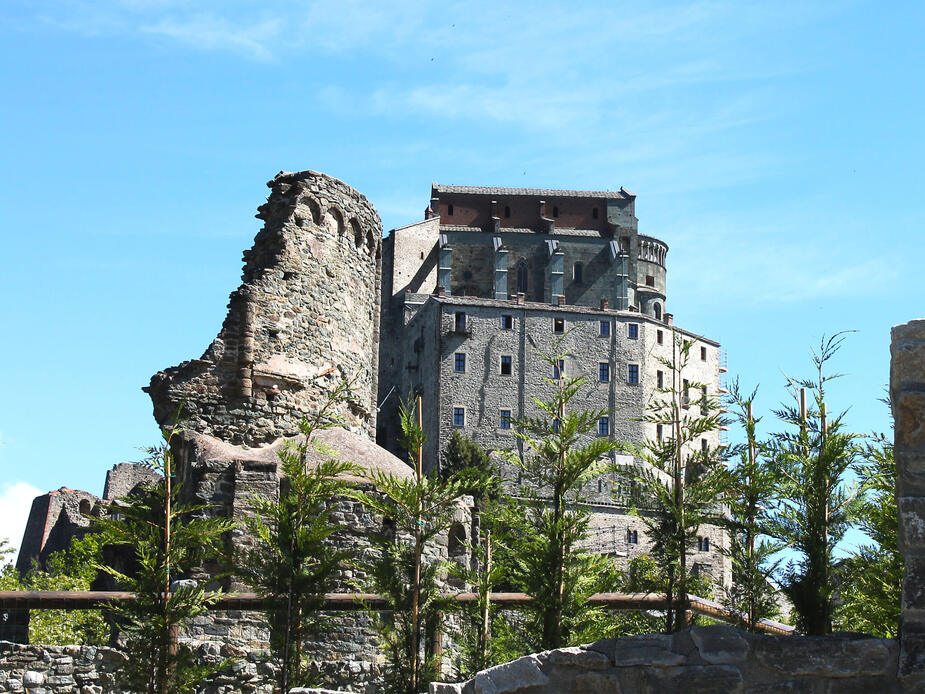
(345, 602)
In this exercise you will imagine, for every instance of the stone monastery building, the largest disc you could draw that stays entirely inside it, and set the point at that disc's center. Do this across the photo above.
(493, 278)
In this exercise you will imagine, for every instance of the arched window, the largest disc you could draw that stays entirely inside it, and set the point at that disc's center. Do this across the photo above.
(507, 210)
(85, 507)
(456, 541)
(522, 276)
(657, 310)
(578, 272)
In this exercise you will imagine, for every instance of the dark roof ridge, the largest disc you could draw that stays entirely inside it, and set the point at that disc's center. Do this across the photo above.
(551, 192)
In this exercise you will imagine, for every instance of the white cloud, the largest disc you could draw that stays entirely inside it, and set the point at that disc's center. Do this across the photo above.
(15, 502)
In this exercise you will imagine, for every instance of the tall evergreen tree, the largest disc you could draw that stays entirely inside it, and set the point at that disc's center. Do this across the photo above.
(292, 561)
(752, 492)
(680, 475)
(407, 573)
(544, 530)
(167, 539)
(816, 504)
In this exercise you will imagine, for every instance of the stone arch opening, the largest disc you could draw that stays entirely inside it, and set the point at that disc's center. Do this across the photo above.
(456, 542)
(523, 276)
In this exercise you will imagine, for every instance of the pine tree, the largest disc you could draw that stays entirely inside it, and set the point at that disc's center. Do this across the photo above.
(420, 507)
(753, 491)
(816, 504)
(544, 530)
(681, 479)
(167, 539)
(292, 562)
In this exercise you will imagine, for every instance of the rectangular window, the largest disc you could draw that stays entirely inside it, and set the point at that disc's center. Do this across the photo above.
(507, 322)
(704, 407)
(632, 330)
(659, 336)
(459, 362)
(603, 426)
(686, 393)
(605, 328)
(703, 354)
(505, 365)
(505, 419)
(650, 281)
(460, 322)
(459, 416)
(659, 432)
(659, 379)
(558, 325)
(632, 373)
(558, 371)
(704, 445)
(555, 425)
(603, 372)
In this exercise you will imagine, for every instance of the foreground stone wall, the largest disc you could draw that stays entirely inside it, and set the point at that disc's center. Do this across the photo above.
(700, 660)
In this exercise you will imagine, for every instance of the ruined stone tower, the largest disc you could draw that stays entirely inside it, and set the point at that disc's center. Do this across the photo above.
(305, 316)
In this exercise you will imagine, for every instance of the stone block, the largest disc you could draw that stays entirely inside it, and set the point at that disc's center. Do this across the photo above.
(910, 473)
(828, 656)
(912, 524)
(720, 644)
(788, 687)
(907, 366)
(913, 597)
(597, 683)
(579, 657)
(654, 649)
(909, 413)
(913, 330)
(32, 678)
(695, 679)
(522, 673)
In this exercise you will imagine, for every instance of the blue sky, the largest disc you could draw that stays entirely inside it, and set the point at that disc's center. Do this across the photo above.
(776, 147)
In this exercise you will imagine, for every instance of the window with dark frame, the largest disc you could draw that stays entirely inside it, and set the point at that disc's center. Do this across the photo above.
(659, 336)
(650, 281)
(449, 210)
(593, 213)
(507, 322)
(632, 330)
(459, 416)
(578, 272)
(558, 370)
(459, 362)
(507, 211)
(704, 405)
(703, 354)
(505, 419)
(522, 276)
(605, 328)
(659, 379)
(505, 365)
(632, 373)
(555, 211)
(603, 426)
(558, 325)
(659, 432)
(460, 321)
(603, 372)
(704, 446)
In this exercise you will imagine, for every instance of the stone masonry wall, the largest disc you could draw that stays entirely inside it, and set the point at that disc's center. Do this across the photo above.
(700, 660)
(305, 316)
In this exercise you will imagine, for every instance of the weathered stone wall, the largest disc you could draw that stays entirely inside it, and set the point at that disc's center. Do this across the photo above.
(305, 316)
(907, 395)
(700, 660)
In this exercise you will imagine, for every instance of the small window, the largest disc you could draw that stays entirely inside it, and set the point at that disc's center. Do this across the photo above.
(659, 336)
(507, 211)
(686, 396)
(594, 213)
(657, 311)
(578, 272)
(467, 275)
(505, 365)
(600, 486)
(703, 544)
(555, 211)
(703, 354)
(555, 425)
(603, 426)
(459, 362)
(632, 537)
(704, 446)
(659, 432)
(632, 330)
(505, 419)
(459, 416)
(650, 281)
(632, 373)
(507, 322)
(704, 404)
(558, 370)
(449, 210)
(460, 321)
(659, 379)
(558, 325)
(522, 276)
(605, 328)
(603, 372)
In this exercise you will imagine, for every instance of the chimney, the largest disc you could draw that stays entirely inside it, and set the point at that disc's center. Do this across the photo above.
(605, 304)
(441, 291)
(560, 299)
(521, 298)
(669, 319)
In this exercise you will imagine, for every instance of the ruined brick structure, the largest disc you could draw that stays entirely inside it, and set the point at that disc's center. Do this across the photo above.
(493, 278)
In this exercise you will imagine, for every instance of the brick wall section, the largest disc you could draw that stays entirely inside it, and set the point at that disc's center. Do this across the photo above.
(907, 393)
(305, 316)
